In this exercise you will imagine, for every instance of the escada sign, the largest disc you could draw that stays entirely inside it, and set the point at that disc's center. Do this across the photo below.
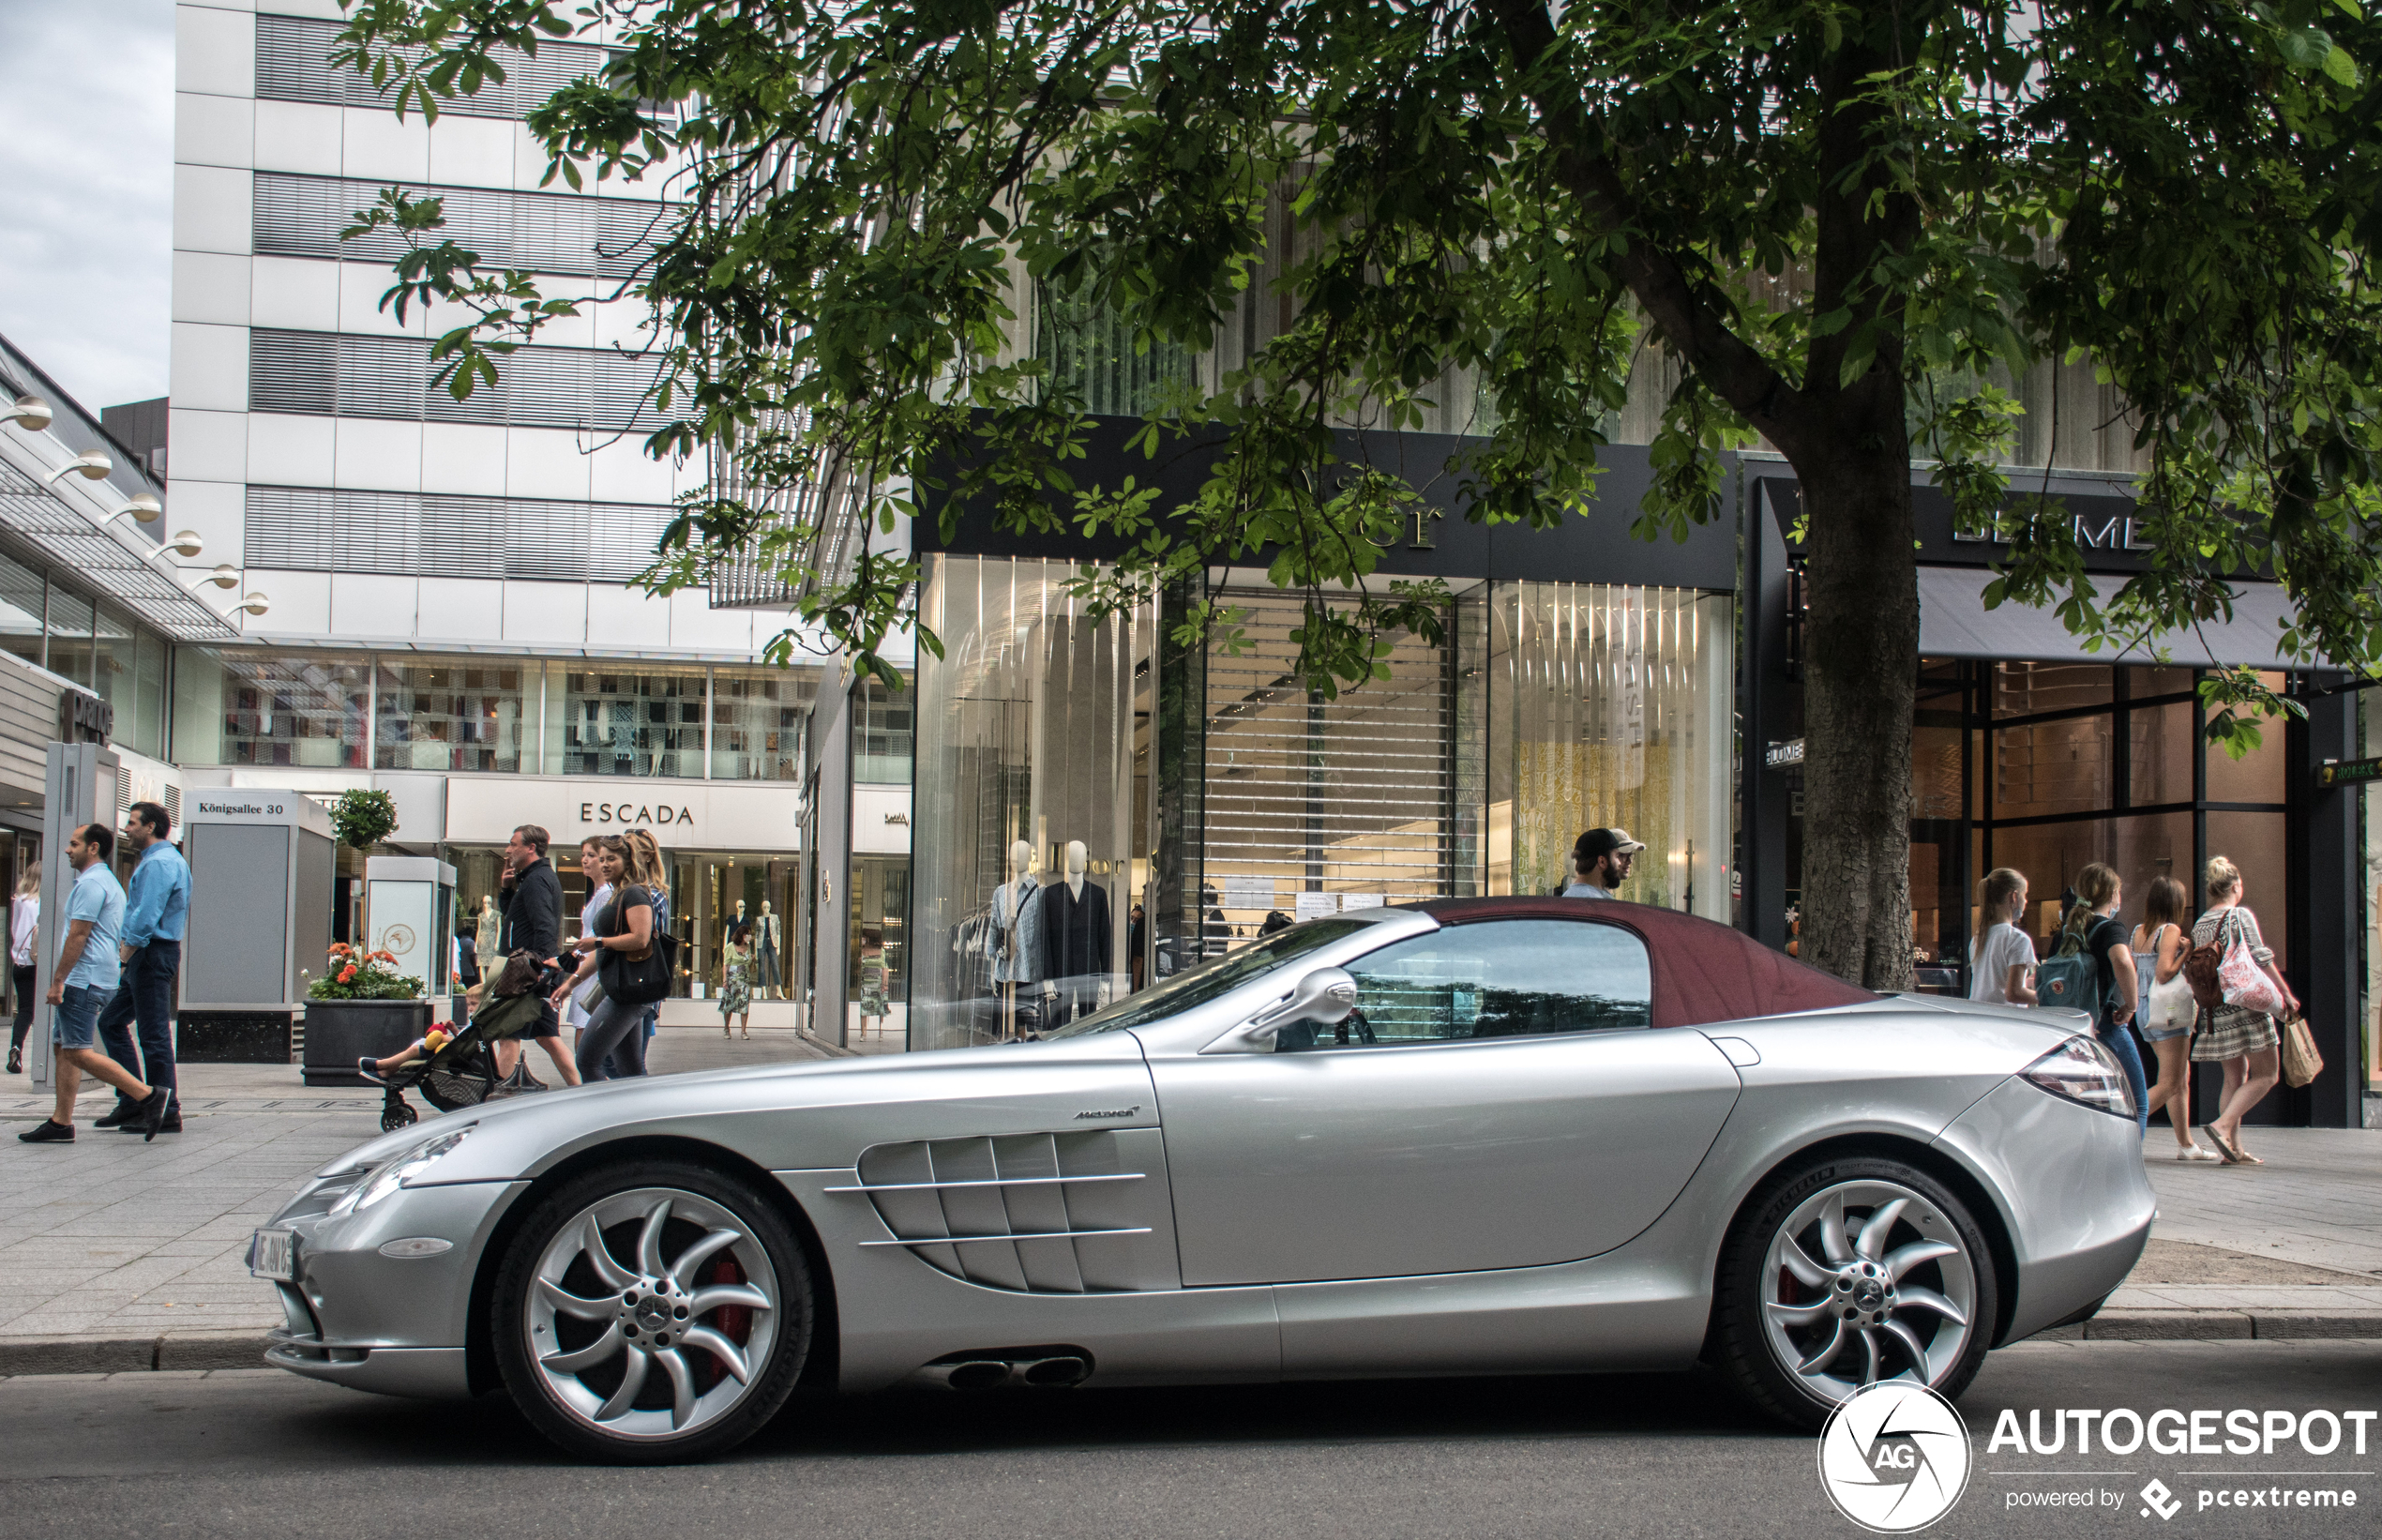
(633, 815)
(484, 810)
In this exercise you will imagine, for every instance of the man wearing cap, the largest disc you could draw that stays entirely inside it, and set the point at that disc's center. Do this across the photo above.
(1601, 859)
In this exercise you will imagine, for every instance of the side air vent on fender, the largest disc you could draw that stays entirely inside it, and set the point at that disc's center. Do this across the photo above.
(1047, 1214)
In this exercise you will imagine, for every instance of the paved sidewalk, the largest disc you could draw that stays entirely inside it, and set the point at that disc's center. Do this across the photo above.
(120, 1255)
(117, 1253)
(2289, 1248)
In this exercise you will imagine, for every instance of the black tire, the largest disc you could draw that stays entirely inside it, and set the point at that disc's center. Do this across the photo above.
(396, 1115)
(1749, 1353)
(769, 1380)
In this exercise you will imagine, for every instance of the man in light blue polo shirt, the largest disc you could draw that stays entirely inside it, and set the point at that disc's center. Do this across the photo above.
(156, 913)
(87, 970)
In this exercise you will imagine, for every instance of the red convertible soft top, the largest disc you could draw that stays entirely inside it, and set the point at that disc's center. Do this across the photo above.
(1703, 971)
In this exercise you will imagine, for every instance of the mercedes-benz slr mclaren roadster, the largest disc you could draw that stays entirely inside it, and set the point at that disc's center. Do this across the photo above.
(1483, 1136)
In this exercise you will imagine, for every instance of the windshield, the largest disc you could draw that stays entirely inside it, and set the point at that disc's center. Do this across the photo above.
(1216, 976)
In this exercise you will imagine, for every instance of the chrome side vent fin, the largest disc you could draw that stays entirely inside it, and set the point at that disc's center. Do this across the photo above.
(1009, 1211)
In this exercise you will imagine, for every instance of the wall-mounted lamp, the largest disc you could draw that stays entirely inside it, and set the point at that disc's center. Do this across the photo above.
(91, 464)
(30, 413)
(226, 576)
(185, 543)
(144, 507)
(253, 604)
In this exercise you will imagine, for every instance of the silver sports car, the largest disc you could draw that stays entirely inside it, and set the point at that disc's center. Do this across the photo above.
(1469, 1137)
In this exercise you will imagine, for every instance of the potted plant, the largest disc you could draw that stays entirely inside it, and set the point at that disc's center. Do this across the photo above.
(360, 1008)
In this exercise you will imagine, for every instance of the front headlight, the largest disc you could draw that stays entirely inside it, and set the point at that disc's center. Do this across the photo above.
(2081, 1070)
(400, 1169)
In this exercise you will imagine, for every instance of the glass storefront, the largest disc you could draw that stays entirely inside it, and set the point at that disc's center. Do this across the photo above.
(1211, 786)
(2049, 767)
(711, 892)
(236, 706)
(1613, 707)
(877, 953)
(1024, 737)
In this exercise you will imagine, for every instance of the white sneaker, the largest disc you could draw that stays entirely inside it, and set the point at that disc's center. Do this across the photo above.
(2194, 1152)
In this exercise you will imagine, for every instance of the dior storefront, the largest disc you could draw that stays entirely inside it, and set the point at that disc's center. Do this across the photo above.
(1096, 807)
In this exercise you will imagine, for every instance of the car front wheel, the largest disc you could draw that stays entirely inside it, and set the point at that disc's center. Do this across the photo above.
(1845, 1271)
(651, 1315)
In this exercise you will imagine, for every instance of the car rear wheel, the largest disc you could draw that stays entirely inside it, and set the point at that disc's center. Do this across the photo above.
(1842, 1273)
(653, 1314)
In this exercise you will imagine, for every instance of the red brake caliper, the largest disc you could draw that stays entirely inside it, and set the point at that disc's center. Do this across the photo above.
(732, 1322)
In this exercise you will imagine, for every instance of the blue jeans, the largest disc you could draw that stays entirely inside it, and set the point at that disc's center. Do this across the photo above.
(145, 996)
(2119, 1042)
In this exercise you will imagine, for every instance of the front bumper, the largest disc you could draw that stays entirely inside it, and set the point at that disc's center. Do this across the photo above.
(2077, 1202)
(354, 1317)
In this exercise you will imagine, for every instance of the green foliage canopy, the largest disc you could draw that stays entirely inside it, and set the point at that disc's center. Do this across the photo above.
(1828, 215)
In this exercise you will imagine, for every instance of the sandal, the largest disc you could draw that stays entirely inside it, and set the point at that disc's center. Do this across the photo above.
(2225, 1148)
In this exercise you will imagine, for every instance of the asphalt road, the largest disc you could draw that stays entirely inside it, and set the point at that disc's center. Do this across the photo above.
(258, 1453)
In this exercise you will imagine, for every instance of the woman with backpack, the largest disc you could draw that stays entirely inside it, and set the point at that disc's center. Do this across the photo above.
(2160, 944)
(2241, 1038)
(2092, 931)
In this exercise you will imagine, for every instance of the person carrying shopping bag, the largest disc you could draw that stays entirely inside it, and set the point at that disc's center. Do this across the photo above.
(2160, 944)
(2239, 994)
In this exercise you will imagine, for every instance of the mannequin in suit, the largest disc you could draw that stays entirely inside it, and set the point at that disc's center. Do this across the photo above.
(1075, 943)
(765, 952)
(1016, 936)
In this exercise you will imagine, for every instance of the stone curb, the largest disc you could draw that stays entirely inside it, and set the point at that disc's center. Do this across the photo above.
(124, 1354)
(2140, 1326)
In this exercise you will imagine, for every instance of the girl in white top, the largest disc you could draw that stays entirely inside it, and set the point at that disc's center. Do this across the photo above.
(2000, 955)
(24, 921)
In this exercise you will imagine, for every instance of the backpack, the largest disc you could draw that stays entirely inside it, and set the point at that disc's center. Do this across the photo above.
(2069, 979)
(2201, 966)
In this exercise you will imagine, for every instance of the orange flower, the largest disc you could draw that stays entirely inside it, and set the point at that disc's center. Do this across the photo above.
(340, 949)
(347, 975)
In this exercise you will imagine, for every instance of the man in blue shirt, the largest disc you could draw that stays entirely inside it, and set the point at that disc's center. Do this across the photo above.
(154, 917)
(86, 974)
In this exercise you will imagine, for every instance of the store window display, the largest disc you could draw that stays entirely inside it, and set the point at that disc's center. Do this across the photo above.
(1075, 943)
(1024, 742)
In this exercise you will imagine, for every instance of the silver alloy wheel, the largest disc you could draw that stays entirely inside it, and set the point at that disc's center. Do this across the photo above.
(652, 1311)
(1867, 1280)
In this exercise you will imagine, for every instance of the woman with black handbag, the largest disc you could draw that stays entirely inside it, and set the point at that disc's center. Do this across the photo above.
(618, 951)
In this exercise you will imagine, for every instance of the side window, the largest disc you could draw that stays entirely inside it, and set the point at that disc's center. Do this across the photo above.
(1499, 979)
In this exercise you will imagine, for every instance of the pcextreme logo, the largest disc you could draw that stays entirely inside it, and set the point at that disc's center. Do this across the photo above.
(1894, 1457)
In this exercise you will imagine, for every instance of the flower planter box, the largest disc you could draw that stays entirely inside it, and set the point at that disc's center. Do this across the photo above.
(339, 1031)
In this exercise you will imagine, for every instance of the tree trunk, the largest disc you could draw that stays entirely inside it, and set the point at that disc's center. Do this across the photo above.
(1861, 650)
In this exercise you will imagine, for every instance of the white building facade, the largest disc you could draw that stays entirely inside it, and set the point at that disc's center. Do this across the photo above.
(452, 614)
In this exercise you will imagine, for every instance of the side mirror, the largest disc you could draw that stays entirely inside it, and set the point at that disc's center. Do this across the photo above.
(1325, 997)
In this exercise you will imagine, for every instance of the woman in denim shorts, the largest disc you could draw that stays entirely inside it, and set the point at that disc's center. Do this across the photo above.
(2160, 944)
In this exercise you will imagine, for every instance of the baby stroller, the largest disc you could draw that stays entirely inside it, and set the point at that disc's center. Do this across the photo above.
(463, 1073)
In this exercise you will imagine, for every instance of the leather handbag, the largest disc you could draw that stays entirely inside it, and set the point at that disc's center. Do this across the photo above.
(2301, 1063)
(639, 978)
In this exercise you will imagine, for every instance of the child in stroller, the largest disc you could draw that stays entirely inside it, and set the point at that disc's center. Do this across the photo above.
(458, 1070)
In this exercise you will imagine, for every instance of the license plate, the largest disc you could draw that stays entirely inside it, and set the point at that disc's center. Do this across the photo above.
(274, 1255)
